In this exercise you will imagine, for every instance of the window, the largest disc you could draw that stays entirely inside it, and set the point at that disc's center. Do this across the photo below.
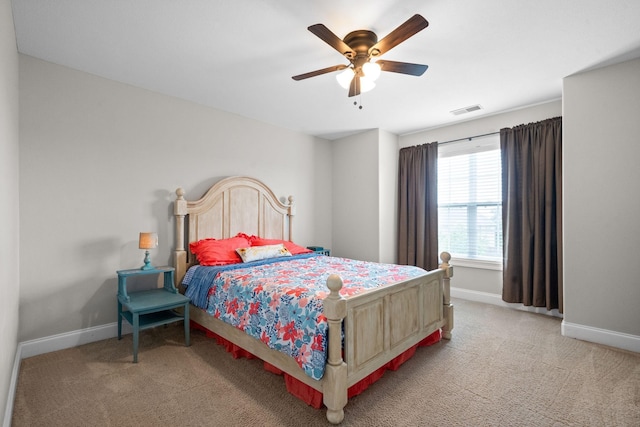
(470, 201)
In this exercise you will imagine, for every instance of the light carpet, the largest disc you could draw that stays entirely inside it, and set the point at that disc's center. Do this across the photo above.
(503, 367)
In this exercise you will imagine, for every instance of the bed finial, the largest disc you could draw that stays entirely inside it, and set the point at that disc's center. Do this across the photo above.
(445, 257)
(292, 206)
(334, 283)
(180, 193)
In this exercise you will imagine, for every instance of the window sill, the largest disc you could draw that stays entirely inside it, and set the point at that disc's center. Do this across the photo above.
(476, 263)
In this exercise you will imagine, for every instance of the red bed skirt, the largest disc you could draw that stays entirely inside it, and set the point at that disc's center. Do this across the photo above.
(310, 395)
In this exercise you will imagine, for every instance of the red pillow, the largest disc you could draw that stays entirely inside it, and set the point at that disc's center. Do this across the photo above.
(219, 252)
(292, 247)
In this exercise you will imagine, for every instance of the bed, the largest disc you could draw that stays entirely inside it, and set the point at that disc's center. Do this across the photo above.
(365, 331)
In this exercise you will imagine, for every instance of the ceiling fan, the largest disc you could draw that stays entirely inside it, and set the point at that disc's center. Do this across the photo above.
(362, 49)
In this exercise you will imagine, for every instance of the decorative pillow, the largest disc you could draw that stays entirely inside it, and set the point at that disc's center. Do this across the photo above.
(292, 247)
(218, 251)
(255, 253)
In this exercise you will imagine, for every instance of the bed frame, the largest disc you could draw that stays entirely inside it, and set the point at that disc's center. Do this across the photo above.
(378, 325)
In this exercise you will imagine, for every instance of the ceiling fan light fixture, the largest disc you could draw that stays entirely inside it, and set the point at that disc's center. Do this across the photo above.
(345, 77)
(371, 70)
(362, 48)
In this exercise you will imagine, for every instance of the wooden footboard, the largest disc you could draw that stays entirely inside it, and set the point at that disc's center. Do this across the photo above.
(384, 323)
(380, 325)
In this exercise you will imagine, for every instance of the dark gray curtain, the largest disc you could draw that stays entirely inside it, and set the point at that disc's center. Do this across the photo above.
(418, 206)
(532, 213)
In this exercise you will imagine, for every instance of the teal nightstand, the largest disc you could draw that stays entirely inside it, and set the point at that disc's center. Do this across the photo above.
(320, 250)
(150, 308)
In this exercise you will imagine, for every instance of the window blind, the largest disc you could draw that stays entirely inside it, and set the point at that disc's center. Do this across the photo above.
(470, 199)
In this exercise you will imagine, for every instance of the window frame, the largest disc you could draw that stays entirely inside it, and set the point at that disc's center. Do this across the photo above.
(488, 142)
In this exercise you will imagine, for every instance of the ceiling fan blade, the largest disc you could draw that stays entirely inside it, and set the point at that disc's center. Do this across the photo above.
(402, 67)
(331, 39)
(319, 72)
(413, 25)
(354, 88)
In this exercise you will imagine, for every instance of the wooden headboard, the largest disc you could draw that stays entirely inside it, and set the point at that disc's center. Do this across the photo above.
(233, 205)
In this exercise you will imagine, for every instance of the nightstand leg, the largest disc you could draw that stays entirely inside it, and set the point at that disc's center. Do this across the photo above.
(136, 329)
(187, 339)
(119, 320)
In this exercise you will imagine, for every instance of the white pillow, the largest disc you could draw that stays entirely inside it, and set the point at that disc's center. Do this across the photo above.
(255, 253)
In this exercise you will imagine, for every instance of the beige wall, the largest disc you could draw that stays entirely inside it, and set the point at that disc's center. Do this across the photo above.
(9, 213)
(99, 162)
(602, 200)
(355, 196)
(365, 169)
(388, 201)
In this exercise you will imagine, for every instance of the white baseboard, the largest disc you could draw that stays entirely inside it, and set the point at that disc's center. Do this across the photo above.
(570, 330)
(71, 339)
(601, 336)
(496, 299)
(13, 384)
(98, 333)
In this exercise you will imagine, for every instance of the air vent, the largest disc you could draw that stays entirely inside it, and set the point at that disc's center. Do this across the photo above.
(466, 110)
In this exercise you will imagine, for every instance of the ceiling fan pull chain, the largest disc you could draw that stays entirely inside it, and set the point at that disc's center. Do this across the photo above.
(356, 102)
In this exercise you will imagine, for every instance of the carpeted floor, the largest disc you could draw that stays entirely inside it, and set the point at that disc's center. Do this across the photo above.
(503, 367)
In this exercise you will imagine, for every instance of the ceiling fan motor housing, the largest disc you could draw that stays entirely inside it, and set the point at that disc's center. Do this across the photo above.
(360, 41)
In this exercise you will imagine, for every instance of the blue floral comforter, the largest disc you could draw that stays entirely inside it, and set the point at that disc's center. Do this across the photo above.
(279, 301)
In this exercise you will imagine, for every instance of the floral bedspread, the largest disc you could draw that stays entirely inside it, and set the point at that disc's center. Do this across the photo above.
(280, 302)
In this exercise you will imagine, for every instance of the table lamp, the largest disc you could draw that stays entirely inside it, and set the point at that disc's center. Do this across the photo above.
(148, 241)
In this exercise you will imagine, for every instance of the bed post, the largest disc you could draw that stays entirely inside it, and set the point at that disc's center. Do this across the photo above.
(447, 306)
(334, 383)
(180, 254)
(292, 212)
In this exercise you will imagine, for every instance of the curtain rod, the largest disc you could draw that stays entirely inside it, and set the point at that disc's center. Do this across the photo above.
(469, 137)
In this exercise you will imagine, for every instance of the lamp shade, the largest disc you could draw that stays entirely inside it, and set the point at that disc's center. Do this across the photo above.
(345, 77)
(148, 240)
(371, 70)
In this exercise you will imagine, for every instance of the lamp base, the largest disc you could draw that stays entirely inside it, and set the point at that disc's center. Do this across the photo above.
(147, 262)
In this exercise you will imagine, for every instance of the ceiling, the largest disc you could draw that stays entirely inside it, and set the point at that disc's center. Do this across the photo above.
(239, 56)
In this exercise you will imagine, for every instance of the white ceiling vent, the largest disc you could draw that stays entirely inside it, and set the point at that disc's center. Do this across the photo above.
(466, 110)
